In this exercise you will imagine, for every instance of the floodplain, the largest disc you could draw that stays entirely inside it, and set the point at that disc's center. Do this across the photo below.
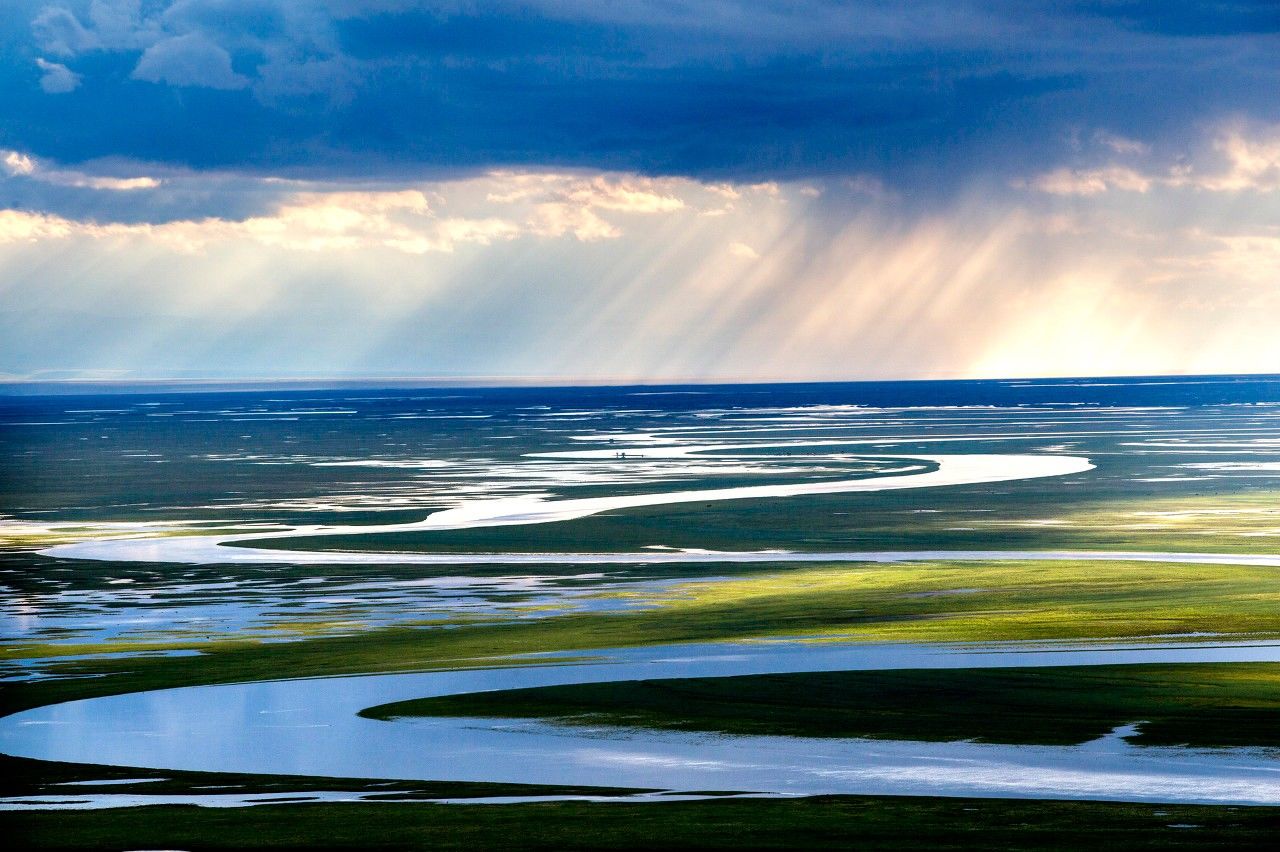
(1108, 624)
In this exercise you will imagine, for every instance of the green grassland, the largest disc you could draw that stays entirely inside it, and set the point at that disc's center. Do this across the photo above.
(1121, 506)
(984, 601)
(914, 602)
(51, 780)
(846, 822)
(1186, 704)
(923, 602)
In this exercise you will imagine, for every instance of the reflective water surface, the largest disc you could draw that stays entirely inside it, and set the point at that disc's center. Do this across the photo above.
(163, 523)
(311, 727)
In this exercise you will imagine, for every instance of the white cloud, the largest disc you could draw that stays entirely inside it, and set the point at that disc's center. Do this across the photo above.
(60, 33)
(111, 183)
(625, 195)
(190, 43)
(57, 79)
(621, 193)
(725, 190)
(377, 279)
(1241, 161)
(399, 220)
(188, 60)
(555, 219)
(21, 226)
(18, 164)
(1252, 163)
(1120, 144)
(119, 23)
(560, 203)
(438, 217)
(451, 232)
(1090, 181)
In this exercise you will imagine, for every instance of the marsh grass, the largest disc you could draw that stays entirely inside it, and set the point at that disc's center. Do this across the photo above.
(827, 822)
(917, 602)
(1232, 704)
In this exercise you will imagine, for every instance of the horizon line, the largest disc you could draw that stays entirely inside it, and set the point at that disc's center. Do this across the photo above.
(39, 386)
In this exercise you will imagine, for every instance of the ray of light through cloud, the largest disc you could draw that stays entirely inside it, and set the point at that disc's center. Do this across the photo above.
(567, 191)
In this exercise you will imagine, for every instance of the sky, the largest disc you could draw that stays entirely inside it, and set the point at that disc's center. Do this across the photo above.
(569, 190)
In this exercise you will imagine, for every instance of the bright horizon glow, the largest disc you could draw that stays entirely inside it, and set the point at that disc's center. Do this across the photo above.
(182, 385)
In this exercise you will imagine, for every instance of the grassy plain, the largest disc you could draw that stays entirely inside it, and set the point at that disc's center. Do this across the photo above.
(845, 822)
(1187, 704)
(932, 601)
(51, 780)
(915, 602)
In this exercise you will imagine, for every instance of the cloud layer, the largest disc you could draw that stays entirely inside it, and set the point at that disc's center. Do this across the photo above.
(647, 190)
(927, 91)
(565, 275)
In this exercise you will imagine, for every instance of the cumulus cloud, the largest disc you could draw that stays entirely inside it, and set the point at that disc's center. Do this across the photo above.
(1253, 162)
(539, 205)
(382, 279)
(563, 203)
(1120, 144)
(1239, 159)
(192, 43)
(59, 32)
(189, 60)
(21, 226)
(1090, 181)
(554, 219)
(18, 164)
(626, 196)
(306, 222)
(623, 193)
(57, 79)
(479, 211)
(111, 183)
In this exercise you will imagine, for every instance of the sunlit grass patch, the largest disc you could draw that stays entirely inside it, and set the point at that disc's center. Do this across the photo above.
(985, 601)
(1199, 523)
(26, 535)
(899, 602)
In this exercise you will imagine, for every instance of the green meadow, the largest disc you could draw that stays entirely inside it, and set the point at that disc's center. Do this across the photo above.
(1204, 706)
(900, 602)
(985, 604)
(827, 822)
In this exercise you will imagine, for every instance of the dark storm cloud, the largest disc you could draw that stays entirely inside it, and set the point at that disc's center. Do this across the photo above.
(921, 94)
(1196, 18)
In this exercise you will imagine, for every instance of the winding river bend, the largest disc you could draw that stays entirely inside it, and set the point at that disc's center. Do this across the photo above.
(311, 727)
(923, 471)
